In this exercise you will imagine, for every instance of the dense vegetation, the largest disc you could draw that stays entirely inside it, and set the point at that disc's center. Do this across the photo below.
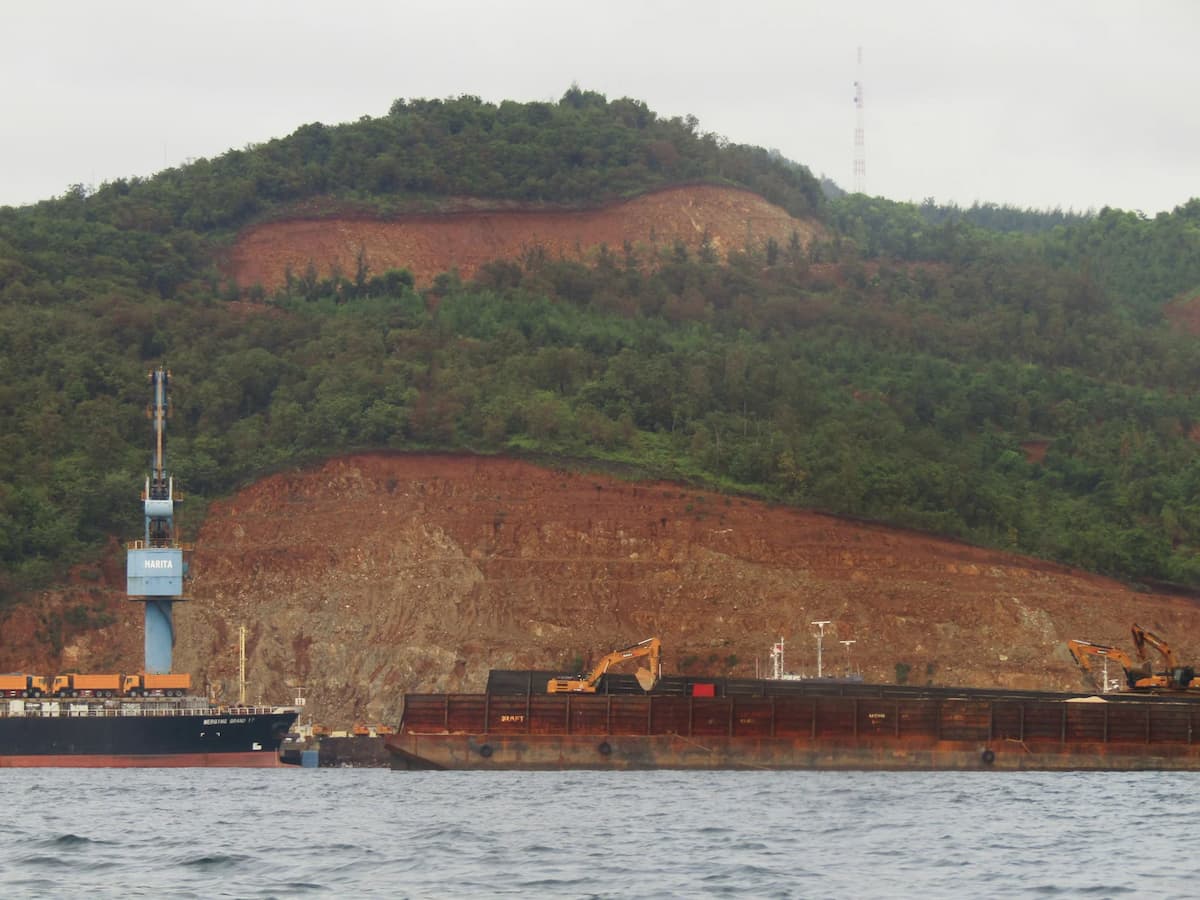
(904, 369)
(582, 150)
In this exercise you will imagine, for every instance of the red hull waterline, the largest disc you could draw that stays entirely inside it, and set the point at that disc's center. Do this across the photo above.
(249, 760)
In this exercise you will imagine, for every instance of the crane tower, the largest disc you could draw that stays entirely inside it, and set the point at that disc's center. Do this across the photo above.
(154, 566)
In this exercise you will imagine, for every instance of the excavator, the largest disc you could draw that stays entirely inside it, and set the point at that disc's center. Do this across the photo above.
(588, 683)
(1139, 674)
(1181, 677)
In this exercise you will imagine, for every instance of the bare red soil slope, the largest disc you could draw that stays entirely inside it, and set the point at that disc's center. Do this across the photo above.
(428, 245)
(1183, 312)
(376, 574)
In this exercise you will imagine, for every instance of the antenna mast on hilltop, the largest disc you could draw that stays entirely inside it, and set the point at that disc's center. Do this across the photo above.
(860, 149)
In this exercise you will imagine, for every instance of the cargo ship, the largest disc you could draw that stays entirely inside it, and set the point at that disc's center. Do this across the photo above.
(718, 723)
(139, 732)
(149, 718)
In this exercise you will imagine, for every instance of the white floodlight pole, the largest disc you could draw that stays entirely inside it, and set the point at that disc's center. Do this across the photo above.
(847, 644)
(777, 660)
(820, 639)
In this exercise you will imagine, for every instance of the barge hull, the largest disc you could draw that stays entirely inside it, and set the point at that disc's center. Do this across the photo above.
(860, 729)
(492, 752)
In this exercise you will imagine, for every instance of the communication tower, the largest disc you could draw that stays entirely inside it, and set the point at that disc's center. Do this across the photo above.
(860, 149)
(154, 566)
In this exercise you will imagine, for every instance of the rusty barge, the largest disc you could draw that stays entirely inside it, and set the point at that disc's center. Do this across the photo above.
(699, 723)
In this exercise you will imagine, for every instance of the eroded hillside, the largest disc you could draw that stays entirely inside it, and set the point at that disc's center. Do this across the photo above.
(428, 245)
(377, 574)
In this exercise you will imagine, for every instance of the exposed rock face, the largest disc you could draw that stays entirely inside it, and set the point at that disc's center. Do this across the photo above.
(373, 575)
(427, 245)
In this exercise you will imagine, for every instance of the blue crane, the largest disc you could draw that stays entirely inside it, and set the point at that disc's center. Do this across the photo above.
(154, 566)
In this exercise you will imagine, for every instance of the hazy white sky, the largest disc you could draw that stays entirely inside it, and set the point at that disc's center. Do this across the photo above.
(1079, 103)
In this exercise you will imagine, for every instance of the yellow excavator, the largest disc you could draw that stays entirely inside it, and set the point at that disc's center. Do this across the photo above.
(587, 684)
(1139, 674)
(1181, 677)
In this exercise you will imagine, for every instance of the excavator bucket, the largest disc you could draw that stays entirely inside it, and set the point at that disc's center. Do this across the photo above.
(645, 678)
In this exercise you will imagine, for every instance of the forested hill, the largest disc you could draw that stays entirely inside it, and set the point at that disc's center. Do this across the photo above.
(1018, 389)
(583, 150)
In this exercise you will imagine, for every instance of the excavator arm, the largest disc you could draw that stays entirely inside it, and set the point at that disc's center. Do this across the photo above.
(1083, 651)
(651, 647)
(1141, 638)
(1138, 675)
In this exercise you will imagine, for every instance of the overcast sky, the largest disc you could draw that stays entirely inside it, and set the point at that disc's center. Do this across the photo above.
(1073, 104)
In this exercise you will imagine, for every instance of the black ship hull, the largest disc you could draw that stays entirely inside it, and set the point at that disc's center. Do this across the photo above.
(145, 738)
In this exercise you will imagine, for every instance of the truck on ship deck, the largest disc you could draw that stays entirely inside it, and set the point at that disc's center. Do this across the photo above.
(22, 686)
(144, 684)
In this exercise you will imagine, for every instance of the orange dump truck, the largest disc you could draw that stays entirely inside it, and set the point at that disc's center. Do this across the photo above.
(86, 685)
(22, 686)
(151, 685)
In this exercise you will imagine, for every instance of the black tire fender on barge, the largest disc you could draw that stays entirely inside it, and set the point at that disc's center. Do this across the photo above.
(988, 756)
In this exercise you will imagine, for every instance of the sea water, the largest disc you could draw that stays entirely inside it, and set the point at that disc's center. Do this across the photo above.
(374, 833)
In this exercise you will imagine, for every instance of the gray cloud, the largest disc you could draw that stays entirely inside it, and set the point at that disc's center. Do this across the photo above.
(1073, 104)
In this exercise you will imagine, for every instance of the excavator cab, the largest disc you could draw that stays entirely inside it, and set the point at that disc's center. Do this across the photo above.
(1181, 677)
(1178, 677)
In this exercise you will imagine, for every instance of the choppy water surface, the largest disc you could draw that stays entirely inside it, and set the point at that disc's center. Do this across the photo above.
(296, 833)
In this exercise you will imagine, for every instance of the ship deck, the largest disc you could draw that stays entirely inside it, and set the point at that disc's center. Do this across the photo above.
(127, 707)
